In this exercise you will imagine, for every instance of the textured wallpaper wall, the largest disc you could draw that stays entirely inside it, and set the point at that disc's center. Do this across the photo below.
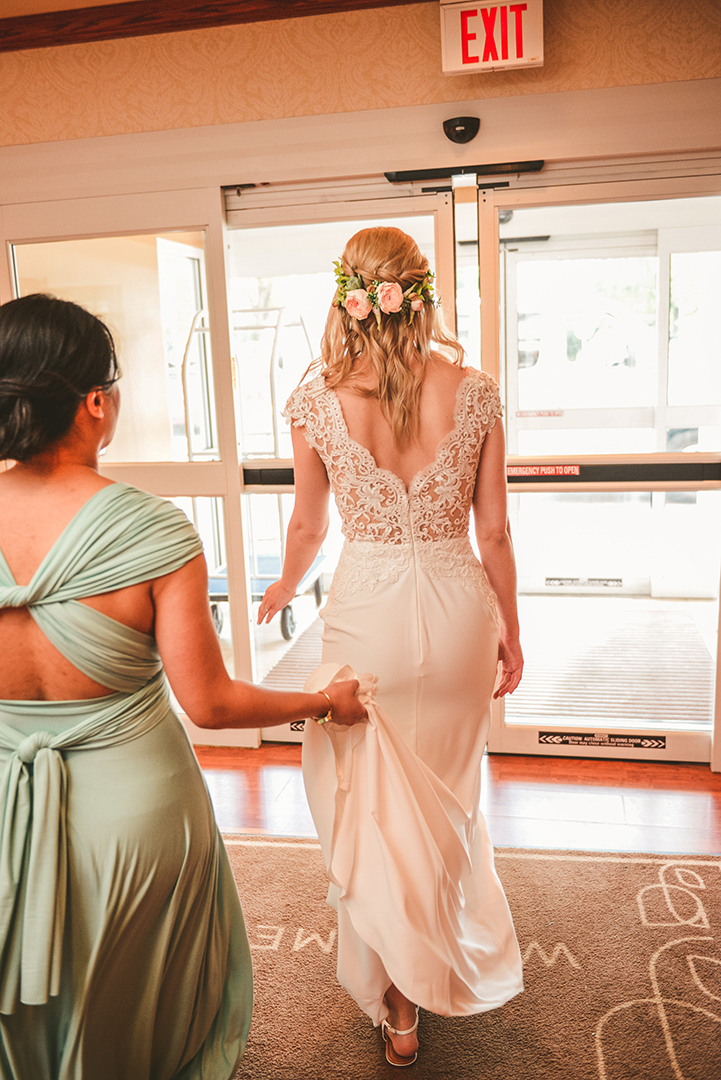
(382, 58)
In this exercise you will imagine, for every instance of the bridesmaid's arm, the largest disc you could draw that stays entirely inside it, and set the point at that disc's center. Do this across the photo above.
(496, 550)
(192, 660)
(307, 527)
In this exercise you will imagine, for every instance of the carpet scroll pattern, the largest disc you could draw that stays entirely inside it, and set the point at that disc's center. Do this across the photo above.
(622, 958)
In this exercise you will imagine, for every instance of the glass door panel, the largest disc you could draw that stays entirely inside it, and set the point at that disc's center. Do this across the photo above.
(181, 277)
(208, 518)
(468, 297)
(610, 366)
(150, 290)
(140, 262)
(619, 610)
(608, 343)
(267, 519)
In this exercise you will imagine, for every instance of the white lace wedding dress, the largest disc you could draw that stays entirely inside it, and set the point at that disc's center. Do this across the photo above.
(396, 802)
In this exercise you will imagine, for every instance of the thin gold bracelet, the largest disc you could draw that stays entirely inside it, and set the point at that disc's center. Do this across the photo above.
(329, 715)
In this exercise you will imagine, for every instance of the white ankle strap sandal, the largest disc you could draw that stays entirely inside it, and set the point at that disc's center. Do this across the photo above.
(392, 1056)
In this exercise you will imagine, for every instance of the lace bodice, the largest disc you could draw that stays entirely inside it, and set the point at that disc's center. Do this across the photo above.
(388, 527)
(373, 503)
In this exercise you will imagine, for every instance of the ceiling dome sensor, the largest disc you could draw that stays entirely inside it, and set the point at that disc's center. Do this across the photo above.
(461, 129)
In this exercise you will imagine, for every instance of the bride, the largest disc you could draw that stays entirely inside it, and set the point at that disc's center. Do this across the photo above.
(408, 441)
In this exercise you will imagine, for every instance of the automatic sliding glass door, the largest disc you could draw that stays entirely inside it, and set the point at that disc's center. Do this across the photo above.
(609, 359)
(280, 285)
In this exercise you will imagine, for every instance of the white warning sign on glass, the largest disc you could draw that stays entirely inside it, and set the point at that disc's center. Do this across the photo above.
(491, 37)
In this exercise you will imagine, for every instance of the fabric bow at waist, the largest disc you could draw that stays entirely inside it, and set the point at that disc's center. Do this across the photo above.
(28, 748)
(33, 837)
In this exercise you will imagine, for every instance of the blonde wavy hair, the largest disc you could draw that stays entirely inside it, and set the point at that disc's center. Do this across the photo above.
(396, 353)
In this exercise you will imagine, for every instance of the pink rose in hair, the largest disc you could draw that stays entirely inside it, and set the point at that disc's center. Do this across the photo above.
(357, 303)
(416, 304)
(390, 297)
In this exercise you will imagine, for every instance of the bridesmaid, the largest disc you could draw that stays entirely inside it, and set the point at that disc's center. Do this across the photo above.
(123, 950)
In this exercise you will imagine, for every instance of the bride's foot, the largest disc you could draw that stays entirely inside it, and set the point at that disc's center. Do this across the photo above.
(399, 1029)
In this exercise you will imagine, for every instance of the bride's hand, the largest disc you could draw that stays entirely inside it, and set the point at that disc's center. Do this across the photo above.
(276, 597)
(347, 709)
(510, 657)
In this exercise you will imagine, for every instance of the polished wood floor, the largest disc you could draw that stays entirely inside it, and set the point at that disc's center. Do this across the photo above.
(534, 802)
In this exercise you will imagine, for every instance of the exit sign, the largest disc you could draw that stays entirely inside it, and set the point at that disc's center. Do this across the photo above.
(491, 37)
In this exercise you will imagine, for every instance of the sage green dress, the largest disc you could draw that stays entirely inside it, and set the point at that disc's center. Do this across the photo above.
(123, 952)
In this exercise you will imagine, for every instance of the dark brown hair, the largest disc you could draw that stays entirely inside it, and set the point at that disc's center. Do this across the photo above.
(52, 353)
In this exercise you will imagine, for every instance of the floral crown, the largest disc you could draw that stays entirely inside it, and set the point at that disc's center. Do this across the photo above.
(380, 296)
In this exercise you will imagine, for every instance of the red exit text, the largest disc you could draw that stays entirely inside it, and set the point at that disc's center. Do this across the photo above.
(494, 25)
(489, 37)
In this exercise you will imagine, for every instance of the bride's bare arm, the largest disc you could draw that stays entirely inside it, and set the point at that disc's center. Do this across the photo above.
(193, 663)
(496, 550)
(307, 527)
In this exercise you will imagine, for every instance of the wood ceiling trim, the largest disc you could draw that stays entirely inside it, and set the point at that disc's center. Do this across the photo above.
(140, 17)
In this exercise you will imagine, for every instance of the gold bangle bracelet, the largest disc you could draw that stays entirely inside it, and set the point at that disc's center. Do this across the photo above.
(329, 715)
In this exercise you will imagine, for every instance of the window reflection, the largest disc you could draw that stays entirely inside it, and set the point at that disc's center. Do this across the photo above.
(150, 290)
(586, 334)
(610, 312)
(694, 329)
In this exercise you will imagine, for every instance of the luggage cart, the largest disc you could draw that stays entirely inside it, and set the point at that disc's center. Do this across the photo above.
(198, 338)
(271, 323)
(266, 570)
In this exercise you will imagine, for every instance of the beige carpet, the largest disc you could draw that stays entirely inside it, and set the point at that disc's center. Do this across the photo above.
(622, 967)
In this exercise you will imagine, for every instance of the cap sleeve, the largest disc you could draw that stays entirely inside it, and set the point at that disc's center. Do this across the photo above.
(304, 410)
(297, 406)
(485, 401)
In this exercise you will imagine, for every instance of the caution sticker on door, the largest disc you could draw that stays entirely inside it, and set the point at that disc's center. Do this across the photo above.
(588, 738)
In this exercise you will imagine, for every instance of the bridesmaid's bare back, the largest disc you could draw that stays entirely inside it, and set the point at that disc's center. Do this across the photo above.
(33, 517)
